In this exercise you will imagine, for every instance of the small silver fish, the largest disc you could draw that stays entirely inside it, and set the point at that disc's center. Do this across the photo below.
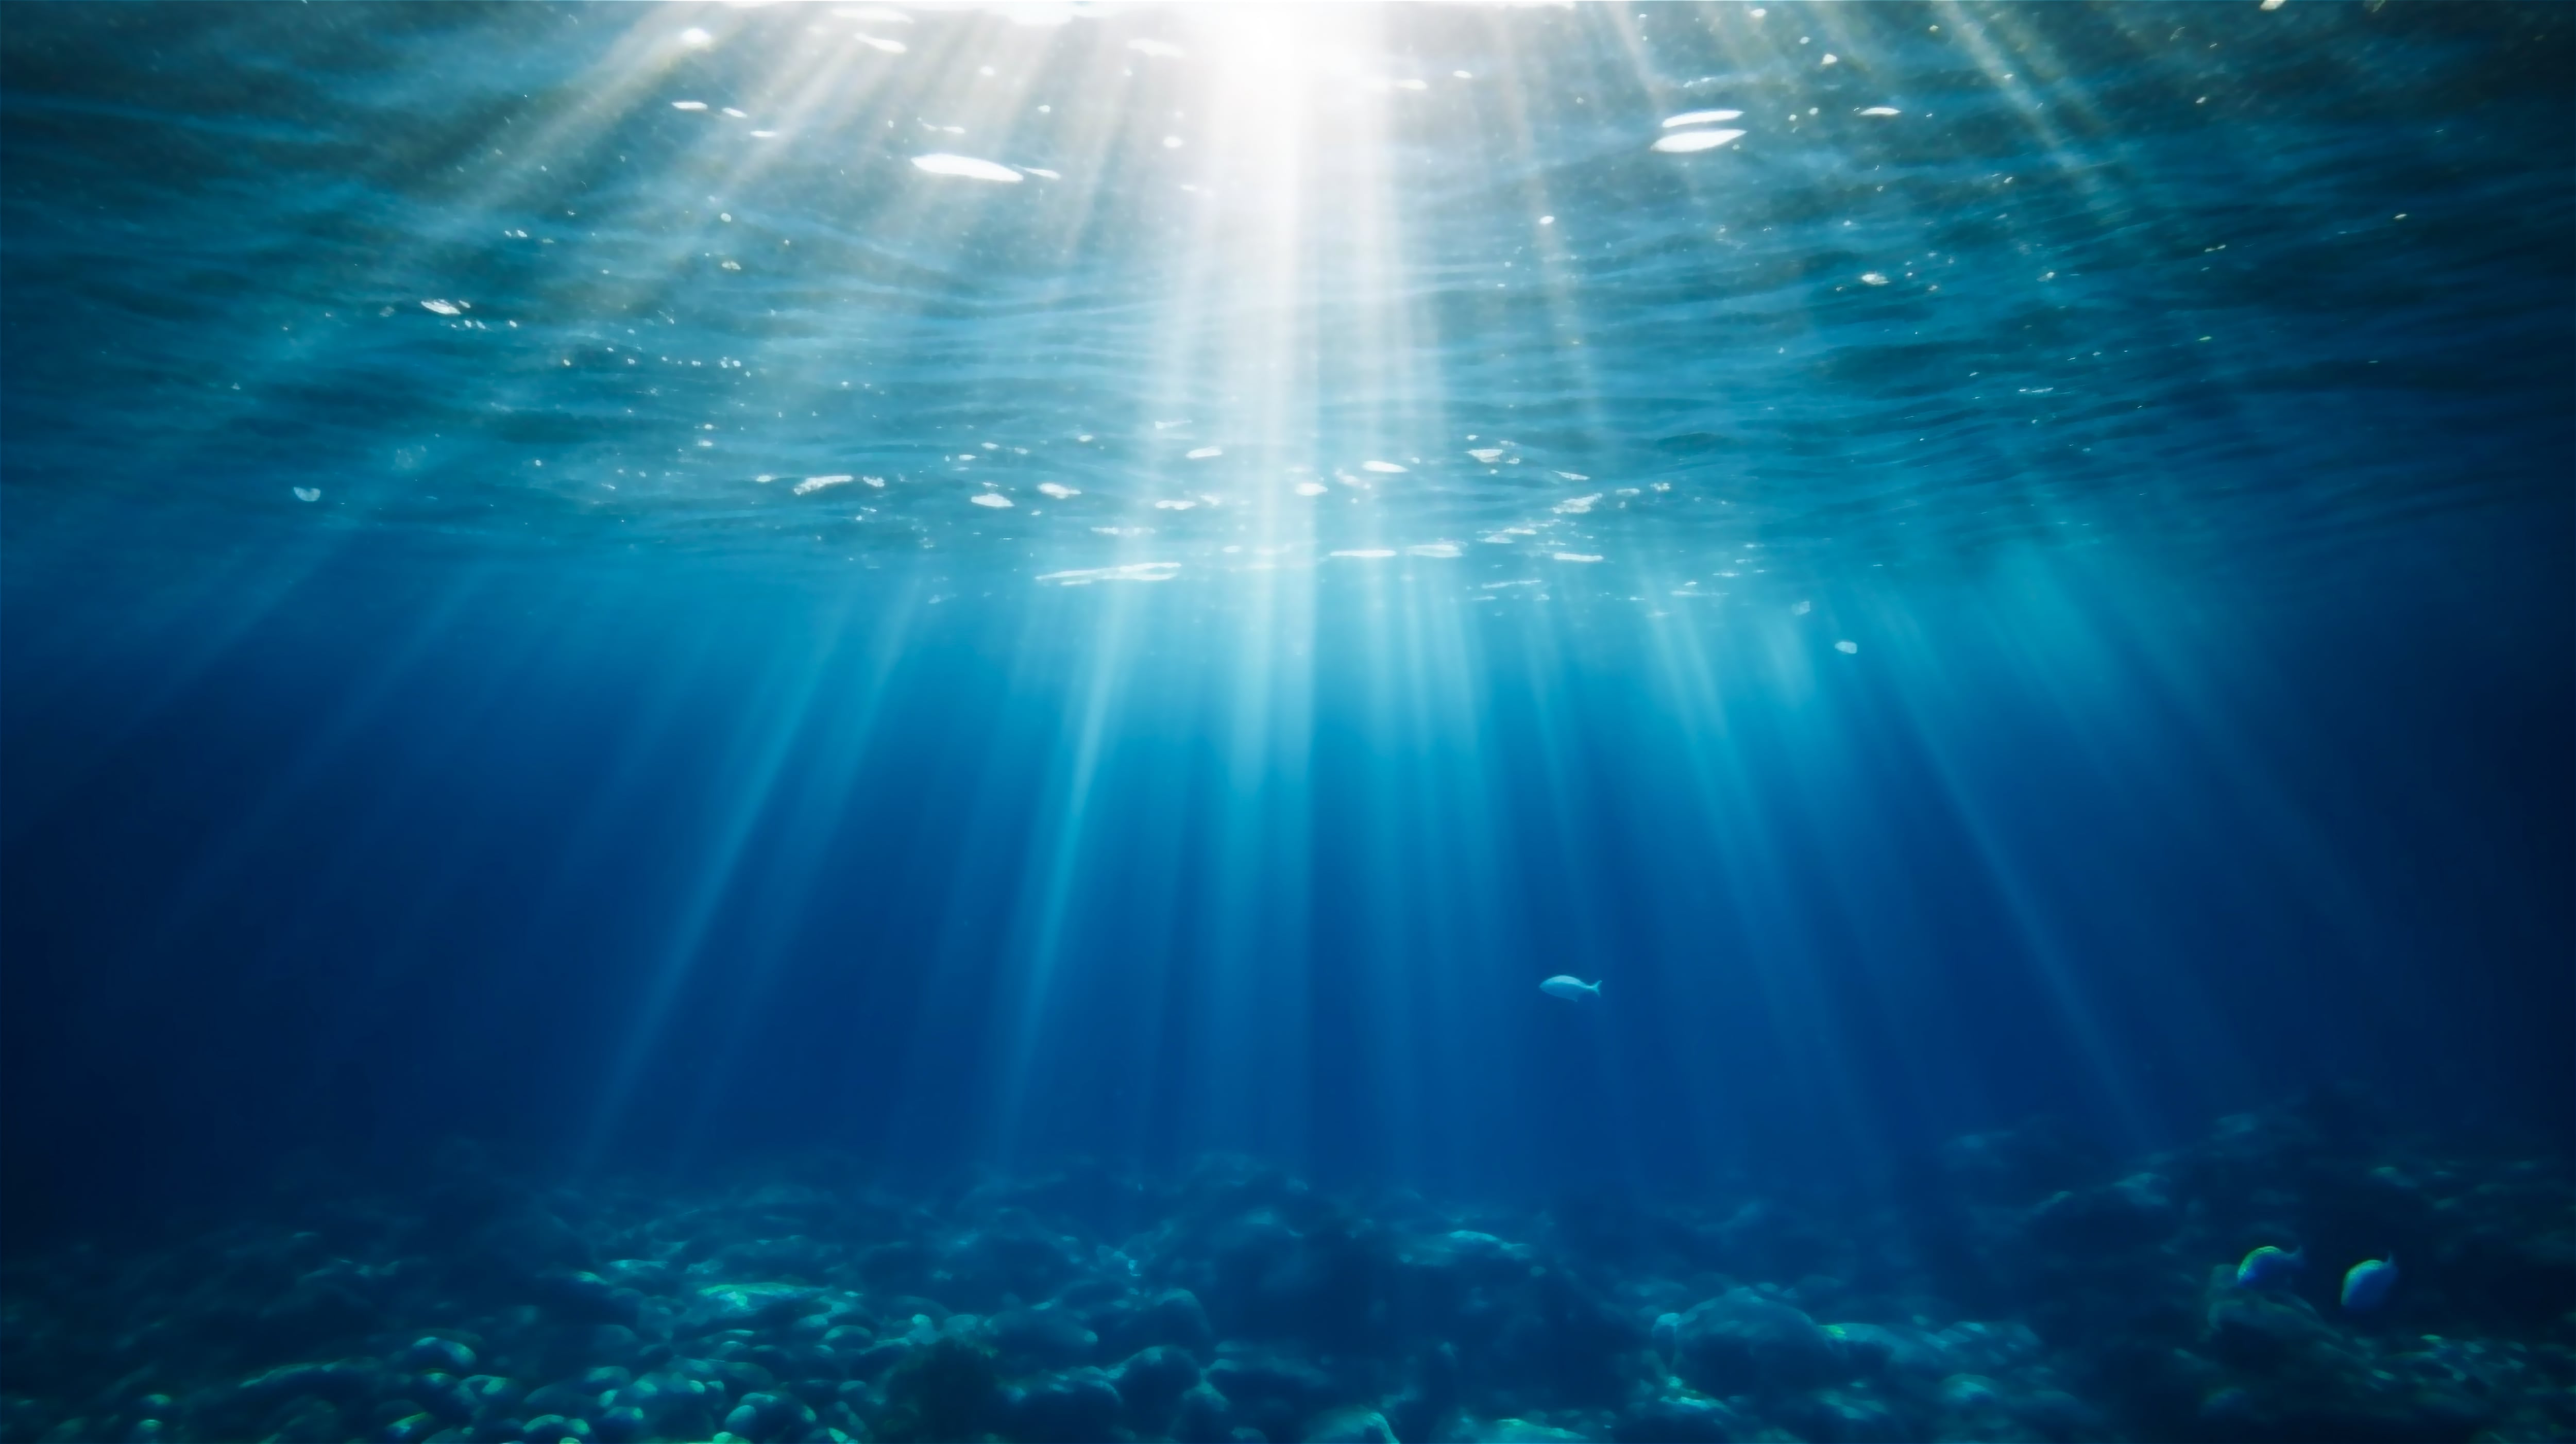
(1572, 989)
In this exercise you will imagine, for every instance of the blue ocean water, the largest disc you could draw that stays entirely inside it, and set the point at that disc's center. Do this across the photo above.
(966, 664)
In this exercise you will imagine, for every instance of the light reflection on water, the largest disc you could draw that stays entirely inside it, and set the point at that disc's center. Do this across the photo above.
(1864, 285)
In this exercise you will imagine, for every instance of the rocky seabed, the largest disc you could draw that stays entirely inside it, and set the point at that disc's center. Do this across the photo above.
(2022, 1289)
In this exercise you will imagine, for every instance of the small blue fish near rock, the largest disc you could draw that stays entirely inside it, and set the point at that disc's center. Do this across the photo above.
(2366, 1283)
(2269, 1267)
(1573, 990)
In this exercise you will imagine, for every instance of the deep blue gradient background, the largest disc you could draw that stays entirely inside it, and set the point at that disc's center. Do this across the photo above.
(409, 853)
(2208, 736)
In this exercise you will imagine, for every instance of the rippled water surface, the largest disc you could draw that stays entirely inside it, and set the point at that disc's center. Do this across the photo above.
(1716, 300)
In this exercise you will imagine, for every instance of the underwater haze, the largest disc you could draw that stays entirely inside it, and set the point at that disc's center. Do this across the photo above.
(826, 722)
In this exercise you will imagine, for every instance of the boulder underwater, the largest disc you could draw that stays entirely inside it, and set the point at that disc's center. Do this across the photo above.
(2268, 1266)
(2366, 1284)
(1743, 1342)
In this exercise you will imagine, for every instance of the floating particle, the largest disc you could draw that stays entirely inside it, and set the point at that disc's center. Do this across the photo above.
(1683, 142)
(308, 493)
(1800, 609)
(1575, 557)
(1312, 488)
(1700, 117)
(1132, 572)
(992, 499)
(444, 308)
(1847, 647)
(817, 483)
(688, 105)
(1880, 110)
(966, 167)
(1204, 452)
(1486, 454)
(1384, 466)
(1058, 489)
(1366, 554)
(1873, 278)
(1434, 549)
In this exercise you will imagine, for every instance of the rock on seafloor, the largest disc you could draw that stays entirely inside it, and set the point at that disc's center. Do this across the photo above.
(2025, 1287)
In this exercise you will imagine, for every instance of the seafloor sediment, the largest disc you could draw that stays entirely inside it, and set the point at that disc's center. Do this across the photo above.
(2020, 1288)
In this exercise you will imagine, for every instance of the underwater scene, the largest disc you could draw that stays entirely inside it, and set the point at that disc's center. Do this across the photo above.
(1417, 722)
